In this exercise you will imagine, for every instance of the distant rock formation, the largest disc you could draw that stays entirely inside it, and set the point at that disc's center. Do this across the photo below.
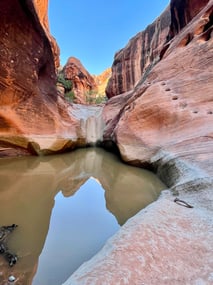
(101, 80)
(87, 88)
(83, 82)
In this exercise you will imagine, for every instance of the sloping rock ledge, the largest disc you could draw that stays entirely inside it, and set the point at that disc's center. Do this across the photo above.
(165, 243)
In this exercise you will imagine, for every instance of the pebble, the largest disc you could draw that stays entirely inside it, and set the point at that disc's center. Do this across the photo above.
(11, 278)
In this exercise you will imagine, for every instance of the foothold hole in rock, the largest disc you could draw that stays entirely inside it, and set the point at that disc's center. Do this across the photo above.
(167, 89)
(163, 83)
(175, 98)
(210, 112)
(195, 112)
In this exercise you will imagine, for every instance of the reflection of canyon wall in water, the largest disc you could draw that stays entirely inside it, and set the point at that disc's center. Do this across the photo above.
(28, 188)
(27, 198)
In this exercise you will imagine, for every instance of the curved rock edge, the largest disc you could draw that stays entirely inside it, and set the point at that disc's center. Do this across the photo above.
(165, 243)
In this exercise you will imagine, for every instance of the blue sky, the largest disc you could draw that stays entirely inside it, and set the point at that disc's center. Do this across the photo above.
(94, 30)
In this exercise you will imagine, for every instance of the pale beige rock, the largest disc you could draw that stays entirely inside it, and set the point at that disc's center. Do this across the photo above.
(91, 122)
(164, 244)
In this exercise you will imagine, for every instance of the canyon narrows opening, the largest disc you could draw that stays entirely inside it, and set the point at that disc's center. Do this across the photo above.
(66, 207)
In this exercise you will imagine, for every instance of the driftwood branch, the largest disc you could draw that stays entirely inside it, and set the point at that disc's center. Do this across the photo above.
(4, 233)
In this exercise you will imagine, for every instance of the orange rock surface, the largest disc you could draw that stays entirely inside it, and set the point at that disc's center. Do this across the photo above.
(32, 115)
(41, 7)
(83, 82)
(102, 80)
(172, 111)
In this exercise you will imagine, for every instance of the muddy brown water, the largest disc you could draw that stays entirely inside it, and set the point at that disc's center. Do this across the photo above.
(66, 207)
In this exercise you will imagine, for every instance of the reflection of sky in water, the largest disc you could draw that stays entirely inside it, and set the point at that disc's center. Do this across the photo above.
(79, 227)
(64, 233)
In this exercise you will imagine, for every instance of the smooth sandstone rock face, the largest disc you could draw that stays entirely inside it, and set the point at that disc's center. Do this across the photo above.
(163, 244)
(33, 118)
(172, 110)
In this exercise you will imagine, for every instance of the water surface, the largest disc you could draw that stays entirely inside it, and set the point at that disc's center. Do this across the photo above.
(66, 207)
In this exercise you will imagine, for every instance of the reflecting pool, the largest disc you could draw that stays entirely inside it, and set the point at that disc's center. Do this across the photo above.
(66, 207)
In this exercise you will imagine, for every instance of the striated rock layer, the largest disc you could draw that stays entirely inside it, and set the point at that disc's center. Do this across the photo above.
(171, 112)
(134, 62)
(137, 58)
(165, 122)
(41, 7)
